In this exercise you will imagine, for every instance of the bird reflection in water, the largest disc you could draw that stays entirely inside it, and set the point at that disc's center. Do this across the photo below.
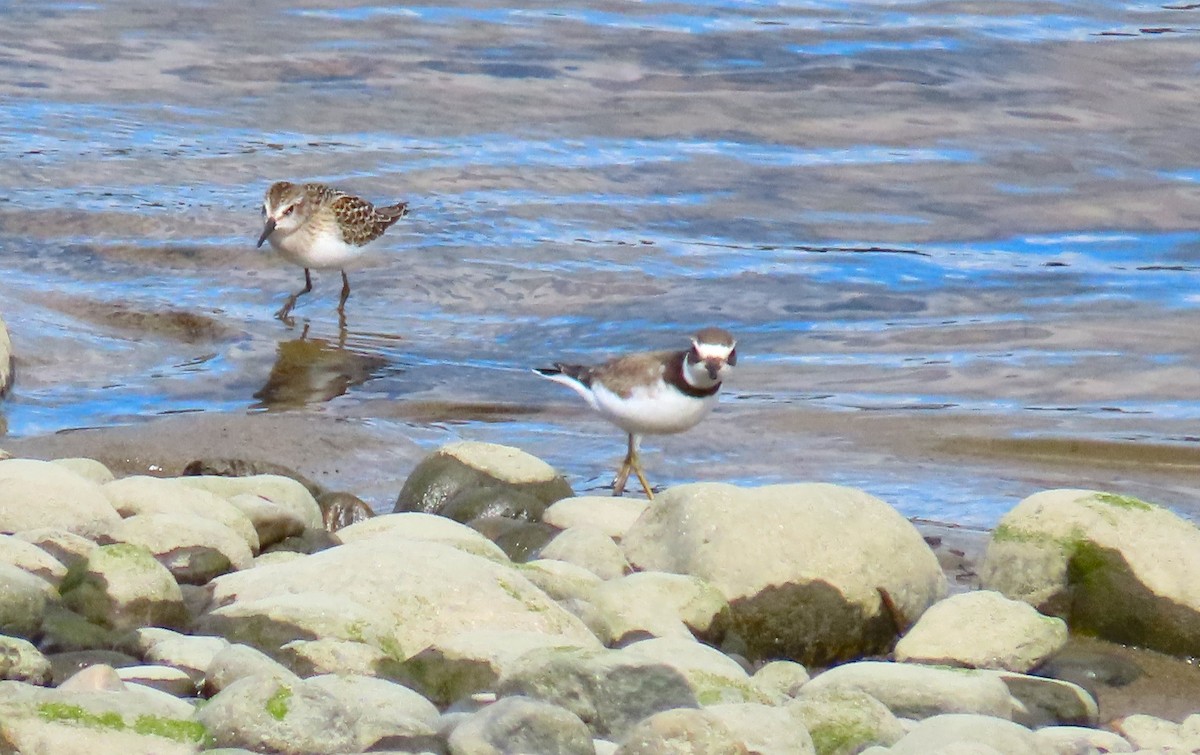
(313, 370)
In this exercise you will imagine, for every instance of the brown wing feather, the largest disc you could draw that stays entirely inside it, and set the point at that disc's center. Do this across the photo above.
(623, 374)
(362, 222)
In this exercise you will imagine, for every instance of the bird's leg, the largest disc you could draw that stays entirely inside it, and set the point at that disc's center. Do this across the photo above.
(283, 313)
(636, 462)
(632, 464)
(623, 472)
(345, 294)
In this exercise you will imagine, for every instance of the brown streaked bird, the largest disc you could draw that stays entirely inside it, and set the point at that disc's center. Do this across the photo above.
(652, 393)
(316, 226)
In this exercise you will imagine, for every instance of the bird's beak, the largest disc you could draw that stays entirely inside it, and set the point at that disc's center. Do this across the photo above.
(713, 367)
(268, 229)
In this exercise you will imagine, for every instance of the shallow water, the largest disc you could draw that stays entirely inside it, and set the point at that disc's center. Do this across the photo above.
(957, 240)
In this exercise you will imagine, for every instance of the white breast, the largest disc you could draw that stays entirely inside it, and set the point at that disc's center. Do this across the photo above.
(324, 249)
(653, 410)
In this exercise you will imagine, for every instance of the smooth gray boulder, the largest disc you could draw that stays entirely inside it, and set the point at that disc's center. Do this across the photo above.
(1146, 732)
(559, 579)
(317, 657)
(280, 490)
(608, 690)
(463, 664)
(681, 732)
(1108, 564)
(263, 714)
(913, 691)
(21, 661)
(764, 729)
(272, 523)
(238, 662)
(661, 605)
(780, 680)
(799, 564)
(124, 587)
(1070, 740)
(957, 732)
(192, 654)
(612, 516)
(90, 469)
(589, 548)
(844, 721)
(383, 711)
(23, 602)
(425, 591)
(139, 494)
(425, 527)
(23, 554)
(521, 725)
(80, 717)
(65, 547)
(464, 469)
(715, 678)
(193, 548)
(1039, 701)
(168, 679)
(39, 494)
(983, 629)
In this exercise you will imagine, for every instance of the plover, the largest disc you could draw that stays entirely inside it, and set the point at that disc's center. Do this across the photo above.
(316, 226)
(652, 393)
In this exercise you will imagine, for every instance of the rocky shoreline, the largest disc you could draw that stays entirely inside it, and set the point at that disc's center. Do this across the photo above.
(494, 611)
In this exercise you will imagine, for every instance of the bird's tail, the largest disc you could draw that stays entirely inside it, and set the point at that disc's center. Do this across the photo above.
(392, 212)
(577, 377)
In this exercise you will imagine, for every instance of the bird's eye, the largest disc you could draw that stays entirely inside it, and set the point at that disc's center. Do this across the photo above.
(731, 360)
(288, 211)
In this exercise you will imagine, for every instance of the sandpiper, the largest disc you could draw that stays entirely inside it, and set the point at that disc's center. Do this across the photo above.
(652, 393)
(314, 225)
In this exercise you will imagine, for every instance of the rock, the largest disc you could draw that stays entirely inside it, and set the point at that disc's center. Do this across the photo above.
(1146, 732)
(40, 494)
(189, 653)
(282, 491)
(425, 527)
(780, 680)
(493, 503)
(612, 516)
(139, 494)
(193, 548)
(764, 730)
(559, 579)
(261, 713)
(464, 467)
(28, 557)
(131, 721)
(1079, 740)
(983, 629)
(1108, 564)
(800, 565)
(123, 587)
(214, 467)
(1047, 702)
(715, 678)
(340, 510)
(272, 522)
(89, 469)
(63, 666)
(96, 678)
(270, 622)
(661, 605)
(318, 657)
(589, 548)
(519, 540)
(681, 732)
(6, 360)
(475, 661)
(384, 711)
(21, 661)
(912, 691)
(238, 662)
(957, 732)
(1090, 668)
(844, 721)
(65, 547)
(63, 630)
(23, 600)
(166, 679)
(521, 725)
(426, 591)
(608, 690)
